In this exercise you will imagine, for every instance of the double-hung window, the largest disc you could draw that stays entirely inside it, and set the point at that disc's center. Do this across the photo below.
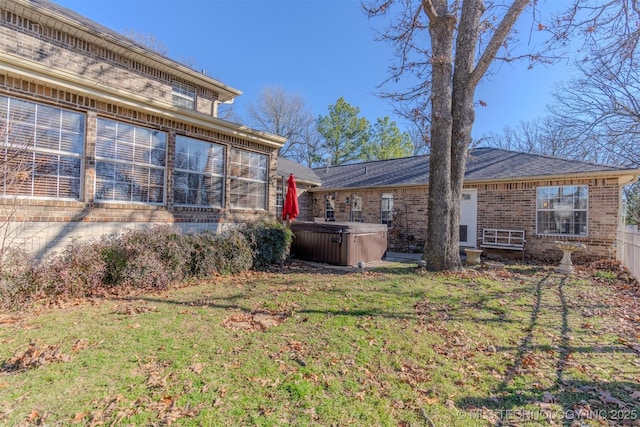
(199, 173)
(183, 96)
(330, 207)
(247, 180)
(386, 209)
(130, 163)
(562, 210)
(280, 195)
(356, 208)
(41, 150)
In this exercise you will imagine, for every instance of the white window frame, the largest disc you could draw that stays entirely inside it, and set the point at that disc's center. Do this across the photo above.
(209, 172)
(121, 150)
(562, 210)
(330, 207)
(42, 149)
(356, 208)
(183, 96)
(389, 209)
(248, 172)
(280, 195)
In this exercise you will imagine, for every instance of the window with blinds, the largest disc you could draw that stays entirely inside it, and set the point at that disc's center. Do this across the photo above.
(42, 149)
(199, 173)
(183, 96)
(247, 180)
(130, 163)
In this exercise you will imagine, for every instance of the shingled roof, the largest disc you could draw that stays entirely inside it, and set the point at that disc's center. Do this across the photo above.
(484, 164)
(303, 174)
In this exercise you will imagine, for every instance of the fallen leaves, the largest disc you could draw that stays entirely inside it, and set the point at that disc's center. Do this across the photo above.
(34, 356)
(258, 321)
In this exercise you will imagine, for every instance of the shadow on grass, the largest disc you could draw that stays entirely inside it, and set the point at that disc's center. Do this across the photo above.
(565, 400)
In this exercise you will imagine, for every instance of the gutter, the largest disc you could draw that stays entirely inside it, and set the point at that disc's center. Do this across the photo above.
(114, 41)
(20, 67)
(625, 177)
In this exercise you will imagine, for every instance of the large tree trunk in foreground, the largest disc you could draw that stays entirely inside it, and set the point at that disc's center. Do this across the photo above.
(441, 253)
(452, 96)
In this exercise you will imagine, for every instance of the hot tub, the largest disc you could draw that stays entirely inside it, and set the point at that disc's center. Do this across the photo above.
(339, 243)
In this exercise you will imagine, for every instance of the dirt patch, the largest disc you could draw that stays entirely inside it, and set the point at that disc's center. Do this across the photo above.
(258, 321)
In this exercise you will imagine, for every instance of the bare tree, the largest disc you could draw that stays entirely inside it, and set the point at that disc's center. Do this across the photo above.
(287, 115)
(602, 110)
(444, 48)
(147, 40)
(464, 38)
(545, 135)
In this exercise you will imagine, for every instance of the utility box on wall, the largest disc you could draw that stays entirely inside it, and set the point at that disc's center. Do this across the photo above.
(339, 243)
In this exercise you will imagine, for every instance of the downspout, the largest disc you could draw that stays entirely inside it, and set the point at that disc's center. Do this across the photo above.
(216, 103)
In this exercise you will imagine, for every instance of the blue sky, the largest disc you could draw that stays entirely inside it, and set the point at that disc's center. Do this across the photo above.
(319, 49)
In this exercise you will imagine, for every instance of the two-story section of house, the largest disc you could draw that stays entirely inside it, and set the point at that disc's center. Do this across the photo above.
(100, 133)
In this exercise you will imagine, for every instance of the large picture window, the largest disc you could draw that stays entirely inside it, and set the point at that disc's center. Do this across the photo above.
(562, 210)
(199, 173)
(247, 180)
(130, 163)
(41, 150)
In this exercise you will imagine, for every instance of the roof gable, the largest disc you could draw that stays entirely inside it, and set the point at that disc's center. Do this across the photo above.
(302, 173)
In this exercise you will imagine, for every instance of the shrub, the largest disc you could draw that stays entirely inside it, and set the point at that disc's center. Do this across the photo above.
(18, 282)
(220, 253)
(270, 243)
(153, 257)
(78, 271)
(235, 254)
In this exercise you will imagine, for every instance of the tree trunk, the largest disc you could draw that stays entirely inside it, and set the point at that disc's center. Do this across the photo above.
(463, 111)
(441, 252)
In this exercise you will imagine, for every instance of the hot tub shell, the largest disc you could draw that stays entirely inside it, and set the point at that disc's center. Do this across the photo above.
(339, 243)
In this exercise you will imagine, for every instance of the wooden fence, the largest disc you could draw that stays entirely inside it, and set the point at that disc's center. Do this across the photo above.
(629, 254)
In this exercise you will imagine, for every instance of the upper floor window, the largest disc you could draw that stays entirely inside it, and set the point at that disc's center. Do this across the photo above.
(184, 96)
(41, 150)
(199, 173)
(386, 209)
(130, 163)
(562, 210)
(248, 180)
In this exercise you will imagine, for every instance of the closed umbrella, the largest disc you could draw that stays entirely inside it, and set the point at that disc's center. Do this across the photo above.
(290, 209)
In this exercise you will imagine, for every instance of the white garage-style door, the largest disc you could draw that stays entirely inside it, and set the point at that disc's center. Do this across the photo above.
(469, 218)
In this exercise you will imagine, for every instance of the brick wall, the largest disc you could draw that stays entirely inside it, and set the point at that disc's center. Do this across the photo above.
(500, 205)
(41, 225)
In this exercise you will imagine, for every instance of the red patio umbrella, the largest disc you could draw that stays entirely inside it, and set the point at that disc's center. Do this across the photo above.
(290, 209)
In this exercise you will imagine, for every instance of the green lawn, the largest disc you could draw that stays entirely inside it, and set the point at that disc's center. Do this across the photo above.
(391, 347)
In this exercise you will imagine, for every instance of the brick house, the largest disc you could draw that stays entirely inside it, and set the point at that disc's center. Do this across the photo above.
(549, 198)
(100, 133)
(306, 179)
